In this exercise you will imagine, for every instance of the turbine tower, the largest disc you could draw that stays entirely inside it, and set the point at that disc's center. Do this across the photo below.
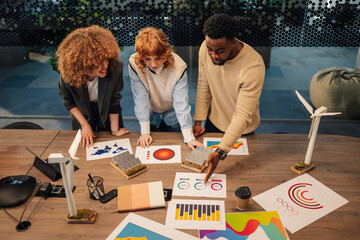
(316, 116)
(67, 171)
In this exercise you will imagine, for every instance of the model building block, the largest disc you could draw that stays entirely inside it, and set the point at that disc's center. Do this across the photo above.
(195, 160)
(84, 216)
(301, 168)
(128, 165)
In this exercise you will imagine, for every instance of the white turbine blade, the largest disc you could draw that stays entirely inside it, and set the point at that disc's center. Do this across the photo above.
(311, 127)
(75, 144)
(308, 107)
(327, 114)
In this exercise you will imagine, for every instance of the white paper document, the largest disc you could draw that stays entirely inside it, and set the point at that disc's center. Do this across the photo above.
(108, 149)
(192, 184)
(138, 227)
(196, 214)
(239, 148)
(159, 154)
(300, 201)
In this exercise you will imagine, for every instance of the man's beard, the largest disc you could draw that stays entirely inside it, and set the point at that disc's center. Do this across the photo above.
(223, 61)
(220, 63)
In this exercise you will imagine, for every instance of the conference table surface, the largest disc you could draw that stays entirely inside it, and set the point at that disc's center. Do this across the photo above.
(267, 165)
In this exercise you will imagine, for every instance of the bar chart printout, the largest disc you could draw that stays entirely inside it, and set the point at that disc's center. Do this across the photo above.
(196, 214)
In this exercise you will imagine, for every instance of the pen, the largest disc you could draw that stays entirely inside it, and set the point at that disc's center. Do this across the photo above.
(91, 179)
(96, 185)
(97, 195)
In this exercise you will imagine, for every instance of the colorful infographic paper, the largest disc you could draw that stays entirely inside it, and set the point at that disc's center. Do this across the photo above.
(249, 225)
(159, 154)
(300, 201)
(192, 184)
(196, 214)
(239, 148)
(137, 227)
(108, 149)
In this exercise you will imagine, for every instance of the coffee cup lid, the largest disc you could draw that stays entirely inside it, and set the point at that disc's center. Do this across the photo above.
(243, 192)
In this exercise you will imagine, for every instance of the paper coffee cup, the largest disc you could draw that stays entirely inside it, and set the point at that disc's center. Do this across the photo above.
(243, 195)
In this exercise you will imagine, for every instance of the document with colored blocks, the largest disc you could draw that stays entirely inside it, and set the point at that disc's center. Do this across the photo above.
(196, 214)
(239, 148)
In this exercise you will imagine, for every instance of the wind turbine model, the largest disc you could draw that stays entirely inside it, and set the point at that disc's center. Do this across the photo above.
(66, 161)
(316, 116)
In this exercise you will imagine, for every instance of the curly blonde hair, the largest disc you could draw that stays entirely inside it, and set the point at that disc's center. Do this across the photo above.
(153, 42)
(83, 50)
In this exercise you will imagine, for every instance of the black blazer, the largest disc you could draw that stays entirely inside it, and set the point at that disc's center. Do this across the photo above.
(108, 95)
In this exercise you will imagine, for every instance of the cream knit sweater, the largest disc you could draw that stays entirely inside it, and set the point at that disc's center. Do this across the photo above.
(233, 90)
(160, 86)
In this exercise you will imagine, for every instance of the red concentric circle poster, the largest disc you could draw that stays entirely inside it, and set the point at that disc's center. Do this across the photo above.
(164, 154)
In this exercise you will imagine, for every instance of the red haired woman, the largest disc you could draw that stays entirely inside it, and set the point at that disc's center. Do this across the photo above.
(159, 86)
(91, 79)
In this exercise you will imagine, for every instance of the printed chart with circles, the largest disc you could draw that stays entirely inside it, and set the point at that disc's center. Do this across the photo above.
(199, 185)
(300, 201)
(159, 154)
(164, 154)
(286, 208)
(192, 184)
(216, 186)
(183, 185)
(307, 196)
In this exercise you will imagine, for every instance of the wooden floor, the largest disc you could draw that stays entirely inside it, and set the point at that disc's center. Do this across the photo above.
(268, 165)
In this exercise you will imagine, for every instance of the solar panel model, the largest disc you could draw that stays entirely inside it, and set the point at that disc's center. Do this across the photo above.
(128, 165)
(195, 160)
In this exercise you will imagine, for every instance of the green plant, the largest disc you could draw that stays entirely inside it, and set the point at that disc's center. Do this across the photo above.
(28, 49)
(67, 17)
(204, 9)
(86, 214)
(301, 166)
(54, 63)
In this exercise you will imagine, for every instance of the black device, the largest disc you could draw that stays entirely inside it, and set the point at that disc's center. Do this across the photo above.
(51, 170)
(45, 190)
(167, 194)
(221, 153)
(14, 190)
(57, 191)
(108, 196)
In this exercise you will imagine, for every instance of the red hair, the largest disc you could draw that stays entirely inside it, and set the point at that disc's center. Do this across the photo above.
(152, 42)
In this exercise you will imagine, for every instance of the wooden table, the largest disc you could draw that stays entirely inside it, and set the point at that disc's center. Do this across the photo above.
(268, 165)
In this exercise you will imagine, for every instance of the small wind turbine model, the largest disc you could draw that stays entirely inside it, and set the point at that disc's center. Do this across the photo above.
(67, 171)
(316, 116)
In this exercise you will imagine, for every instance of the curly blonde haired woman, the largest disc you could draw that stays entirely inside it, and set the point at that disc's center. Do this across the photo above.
(91, 79)
(159, 86)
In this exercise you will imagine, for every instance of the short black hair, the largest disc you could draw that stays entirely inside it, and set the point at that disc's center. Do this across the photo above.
(219, 26)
